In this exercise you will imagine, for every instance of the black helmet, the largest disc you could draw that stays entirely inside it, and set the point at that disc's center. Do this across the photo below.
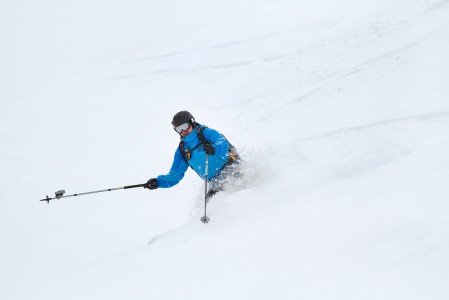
(182, 117)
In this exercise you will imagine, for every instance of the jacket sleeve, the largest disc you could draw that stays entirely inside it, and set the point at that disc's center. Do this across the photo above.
(177, 171)
(220, 143)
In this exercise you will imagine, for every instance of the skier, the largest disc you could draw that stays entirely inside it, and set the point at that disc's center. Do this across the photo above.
(197, 141)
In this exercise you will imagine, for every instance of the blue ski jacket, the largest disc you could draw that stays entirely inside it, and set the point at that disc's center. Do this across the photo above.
(197, 159)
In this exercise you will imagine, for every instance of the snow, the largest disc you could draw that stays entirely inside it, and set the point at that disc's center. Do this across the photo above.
(341, 111)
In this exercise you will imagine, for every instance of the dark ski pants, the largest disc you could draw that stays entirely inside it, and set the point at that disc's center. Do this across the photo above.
(229, 174)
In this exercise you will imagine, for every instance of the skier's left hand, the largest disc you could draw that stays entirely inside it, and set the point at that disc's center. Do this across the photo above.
(208, 148)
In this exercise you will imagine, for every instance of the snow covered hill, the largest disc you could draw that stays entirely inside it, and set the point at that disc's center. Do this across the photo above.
(340, 109)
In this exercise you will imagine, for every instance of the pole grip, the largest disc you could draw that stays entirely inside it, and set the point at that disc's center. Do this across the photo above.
(133, 186)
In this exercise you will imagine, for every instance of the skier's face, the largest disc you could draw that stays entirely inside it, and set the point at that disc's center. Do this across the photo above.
(184, 133)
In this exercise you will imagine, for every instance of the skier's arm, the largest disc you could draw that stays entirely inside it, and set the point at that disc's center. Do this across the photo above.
(177, 171)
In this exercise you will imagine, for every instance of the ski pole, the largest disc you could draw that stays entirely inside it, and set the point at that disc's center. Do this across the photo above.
(60, 194)
(205, 219)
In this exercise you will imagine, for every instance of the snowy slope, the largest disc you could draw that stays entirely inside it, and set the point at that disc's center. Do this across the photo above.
(341, 111)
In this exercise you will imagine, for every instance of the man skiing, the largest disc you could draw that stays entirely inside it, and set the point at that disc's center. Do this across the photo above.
(197, 142)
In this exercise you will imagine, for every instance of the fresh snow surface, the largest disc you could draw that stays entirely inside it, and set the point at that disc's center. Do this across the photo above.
(341, 110)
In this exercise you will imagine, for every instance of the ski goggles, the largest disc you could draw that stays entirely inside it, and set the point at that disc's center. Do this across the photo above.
(182, 127)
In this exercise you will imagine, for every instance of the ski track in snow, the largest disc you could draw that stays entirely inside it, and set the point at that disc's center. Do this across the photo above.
(411, 119)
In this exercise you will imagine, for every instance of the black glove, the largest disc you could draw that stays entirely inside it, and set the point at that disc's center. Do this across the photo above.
(208, 148)
(152, 184)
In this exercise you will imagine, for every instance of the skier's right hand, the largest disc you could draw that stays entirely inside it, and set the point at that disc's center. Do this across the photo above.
(152, 184)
